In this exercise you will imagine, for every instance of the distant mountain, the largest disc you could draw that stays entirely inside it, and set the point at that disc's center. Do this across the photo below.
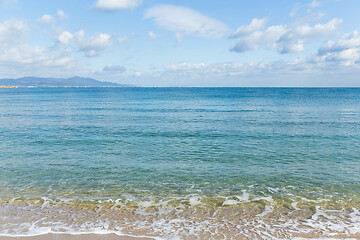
(57, 82)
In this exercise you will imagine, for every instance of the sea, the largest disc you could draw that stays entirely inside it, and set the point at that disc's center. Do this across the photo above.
(181, 163)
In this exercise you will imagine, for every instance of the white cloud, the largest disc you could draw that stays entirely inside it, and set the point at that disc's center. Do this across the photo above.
(185, 21)
(255, 25)
(12, 32)
(318, 30)
(227, 74)
(138, 74)
(46, 19)
(110, 71)
(258, 38)
(95, 45)
(346, 51)
(49, 19)
(26, 54)
(65, 38)
(16, 53)
(91, 47)
(185, 66)
(347, 41)
(293, 40)
(114, 69)
(112, 5)
(314, 4)
(27, 60)
(153, 35)
(286, 38)
(217, 70)
(61, 14)
(294, 72)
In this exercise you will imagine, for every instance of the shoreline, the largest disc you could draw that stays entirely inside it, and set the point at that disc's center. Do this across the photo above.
(68, 236)
(258, 217)
(113, 236)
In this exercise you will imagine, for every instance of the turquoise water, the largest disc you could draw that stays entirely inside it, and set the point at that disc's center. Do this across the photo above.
(176, 143)
(106, 142)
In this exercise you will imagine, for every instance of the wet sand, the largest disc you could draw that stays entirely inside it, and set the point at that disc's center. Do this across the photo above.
(75, 237)
(262, 219)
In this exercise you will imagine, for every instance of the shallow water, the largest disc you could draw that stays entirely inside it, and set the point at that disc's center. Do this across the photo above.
(240, 162)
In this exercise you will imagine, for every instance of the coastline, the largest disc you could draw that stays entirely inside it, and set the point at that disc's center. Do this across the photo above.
(112, 236)
(66, 236)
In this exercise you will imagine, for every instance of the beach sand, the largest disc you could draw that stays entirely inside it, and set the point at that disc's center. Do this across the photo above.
(75, 237)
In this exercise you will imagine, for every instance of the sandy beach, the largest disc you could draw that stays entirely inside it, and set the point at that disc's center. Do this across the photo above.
(75, 237)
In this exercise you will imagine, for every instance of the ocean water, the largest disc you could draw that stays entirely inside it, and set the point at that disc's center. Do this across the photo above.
(181, 163)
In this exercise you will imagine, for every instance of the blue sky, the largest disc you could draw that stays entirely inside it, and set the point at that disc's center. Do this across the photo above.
(184, 43)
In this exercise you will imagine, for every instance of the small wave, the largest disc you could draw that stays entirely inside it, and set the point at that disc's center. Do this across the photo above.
(193, 217)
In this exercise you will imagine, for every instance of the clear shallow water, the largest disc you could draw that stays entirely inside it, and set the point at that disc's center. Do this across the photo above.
(204, 147)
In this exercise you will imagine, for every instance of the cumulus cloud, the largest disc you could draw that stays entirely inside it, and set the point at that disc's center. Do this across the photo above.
(333, 59)
(26, 54)
(61, 14)
(46, 19)
(231, 74)
(66, 37)
(286, 38)
(347, 41)
(255, 25)
(293, 72)
(91, 47)
(258, 38)
(112, 5)
(345, 51)
(186, 21)
(212, 70)
(49, 19)
(95, 45)
(16, 53)
(294, 38)
(12, 32)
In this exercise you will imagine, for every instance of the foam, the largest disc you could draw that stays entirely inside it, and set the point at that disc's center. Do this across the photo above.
(188, 217)
(194, 201)
(39, 232)
(268, 209)
(294, 205)
(321, 238)
(230, 202)
(245, 197)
